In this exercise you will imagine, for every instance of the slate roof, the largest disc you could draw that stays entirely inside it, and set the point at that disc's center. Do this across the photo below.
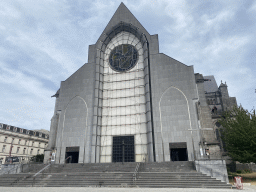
(24, 131)
(210, 86)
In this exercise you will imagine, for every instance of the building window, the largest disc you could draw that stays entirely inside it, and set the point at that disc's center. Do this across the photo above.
(19, 141)
(24, 150)
(40, 134)
(31, 151)
(27, 132)
(3, 150)
(8, 127)
(26, 142)
(39, 144)
(5, 139)
(15, 129)
(33, 143)
(18, 149)
(38, 151)
(21, 130)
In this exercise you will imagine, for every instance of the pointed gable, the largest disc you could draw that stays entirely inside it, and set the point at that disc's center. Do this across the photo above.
(123, 14)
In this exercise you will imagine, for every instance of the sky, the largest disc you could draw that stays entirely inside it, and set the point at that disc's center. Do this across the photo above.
(44, 42)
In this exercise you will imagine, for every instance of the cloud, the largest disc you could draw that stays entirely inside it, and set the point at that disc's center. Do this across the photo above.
(27, 104)
(44, 42)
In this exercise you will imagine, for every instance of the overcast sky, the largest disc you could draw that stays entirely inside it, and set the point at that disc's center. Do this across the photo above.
(44, 42)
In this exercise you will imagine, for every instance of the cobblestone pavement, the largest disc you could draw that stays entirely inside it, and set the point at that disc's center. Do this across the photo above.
(89, 189)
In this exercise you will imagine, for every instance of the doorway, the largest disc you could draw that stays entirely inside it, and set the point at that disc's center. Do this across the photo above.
(123, 149)
(178, 151)
(72, 155)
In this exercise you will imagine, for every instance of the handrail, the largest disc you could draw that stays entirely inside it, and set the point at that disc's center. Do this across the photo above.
(42, 170)
(34, 176)
(68, 158)
(135, 173)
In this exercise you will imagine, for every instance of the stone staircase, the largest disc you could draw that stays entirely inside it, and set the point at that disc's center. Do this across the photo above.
(176, 166)
(157, 175)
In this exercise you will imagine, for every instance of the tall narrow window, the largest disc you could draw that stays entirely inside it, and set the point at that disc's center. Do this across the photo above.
(18, 150)
(5, 139)
(3, 150)
(38, 151)
(24, 151)
(31, 151)
(19, 141)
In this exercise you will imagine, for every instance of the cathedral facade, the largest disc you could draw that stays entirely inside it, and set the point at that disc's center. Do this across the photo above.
(131, 103)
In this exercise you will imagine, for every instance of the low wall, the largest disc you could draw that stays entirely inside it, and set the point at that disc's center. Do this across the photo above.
(246, 166)
(214, 168)
(10, 168)
(26, 168)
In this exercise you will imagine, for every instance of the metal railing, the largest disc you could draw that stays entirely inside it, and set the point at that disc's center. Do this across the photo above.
(34, 176)
(135, 173)
(70, 159)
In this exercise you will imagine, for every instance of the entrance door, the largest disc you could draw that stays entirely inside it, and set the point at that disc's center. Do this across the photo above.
(73, 154)
(178, 151)
(123, 149)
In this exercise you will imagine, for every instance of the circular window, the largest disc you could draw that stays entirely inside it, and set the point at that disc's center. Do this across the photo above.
(123, 58)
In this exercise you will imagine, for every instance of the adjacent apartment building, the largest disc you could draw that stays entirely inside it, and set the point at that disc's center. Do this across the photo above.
(19, 145)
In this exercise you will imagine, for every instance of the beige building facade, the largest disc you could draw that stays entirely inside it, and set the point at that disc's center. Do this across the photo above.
(18, 145)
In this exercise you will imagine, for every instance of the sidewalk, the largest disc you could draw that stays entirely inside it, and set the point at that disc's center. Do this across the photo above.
(89, 189)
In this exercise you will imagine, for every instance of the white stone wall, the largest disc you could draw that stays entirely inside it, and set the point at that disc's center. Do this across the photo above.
(123, 104)
(214, 168)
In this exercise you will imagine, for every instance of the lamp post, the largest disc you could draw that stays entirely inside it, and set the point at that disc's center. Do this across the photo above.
(10, 152)
(123, 152)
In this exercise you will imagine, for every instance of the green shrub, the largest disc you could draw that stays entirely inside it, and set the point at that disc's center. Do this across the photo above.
(247, 171)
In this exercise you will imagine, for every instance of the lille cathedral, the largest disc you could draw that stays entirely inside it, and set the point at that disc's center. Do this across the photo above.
(131, 103)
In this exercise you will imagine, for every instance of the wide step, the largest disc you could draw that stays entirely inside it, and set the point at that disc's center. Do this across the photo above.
(154, 175)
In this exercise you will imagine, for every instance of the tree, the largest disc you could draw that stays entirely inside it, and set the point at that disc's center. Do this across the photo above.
(37, 158)
(239, 134)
